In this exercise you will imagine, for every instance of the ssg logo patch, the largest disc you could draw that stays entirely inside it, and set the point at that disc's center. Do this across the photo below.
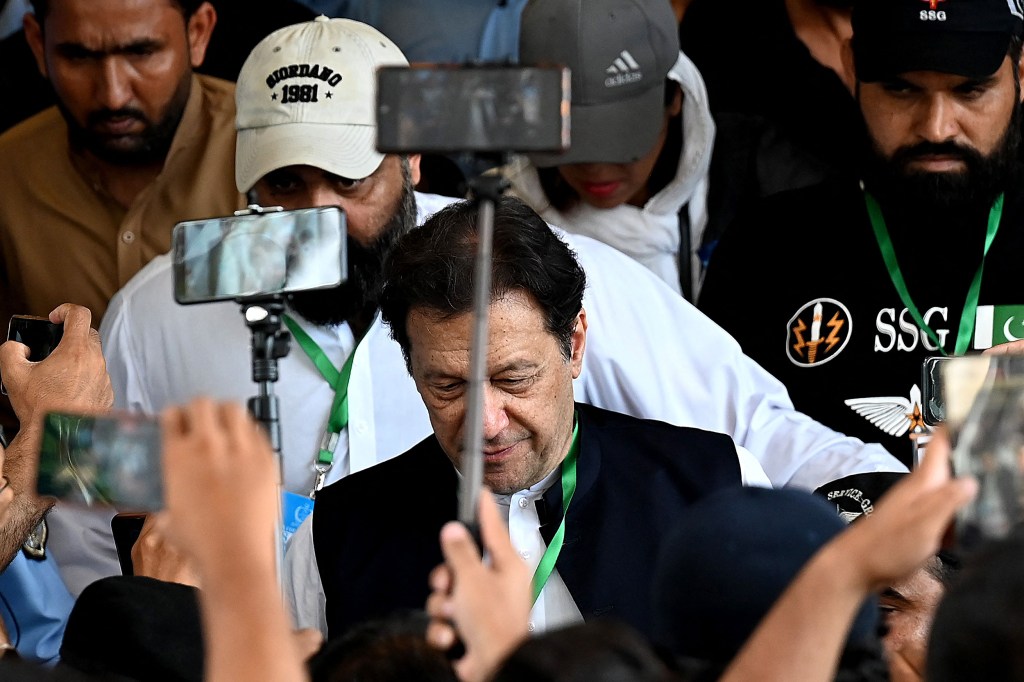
(818, 332)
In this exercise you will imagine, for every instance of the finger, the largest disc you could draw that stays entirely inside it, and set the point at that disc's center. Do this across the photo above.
(202, 417)
(14, 362)
(77, 319)
(440, 635)
(307, 642)
(935, 465)
(440, 579)
(458, 547)
(235, 422)
(493, 532)
(173, 423)
(439, 605)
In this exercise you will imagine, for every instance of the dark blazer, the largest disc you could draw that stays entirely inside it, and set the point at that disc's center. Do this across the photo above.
(375, 533)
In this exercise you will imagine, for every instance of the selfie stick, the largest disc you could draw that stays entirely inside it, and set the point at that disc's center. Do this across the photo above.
(485, 191)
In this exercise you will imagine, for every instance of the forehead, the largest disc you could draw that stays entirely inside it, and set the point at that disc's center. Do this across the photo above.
(98, 22)
(516, 329)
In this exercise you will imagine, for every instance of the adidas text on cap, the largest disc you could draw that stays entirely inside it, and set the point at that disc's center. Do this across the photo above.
(619, 53)
(306, 95)
(967, 38)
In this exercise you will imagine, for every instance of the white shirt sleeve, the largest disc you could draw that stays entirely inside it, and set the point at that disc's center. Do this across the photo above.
(300, 578)
(751, 472)
(653, 355)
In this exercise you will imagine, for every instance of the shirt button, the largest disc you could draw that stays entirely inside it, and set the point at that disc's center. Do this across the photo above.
(524, 554)
(523, 503)
(531, 626)
(128, 237)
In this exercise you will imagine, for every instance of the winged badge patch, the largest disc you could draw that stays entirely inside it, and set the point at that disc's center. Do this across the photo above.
(892, 414)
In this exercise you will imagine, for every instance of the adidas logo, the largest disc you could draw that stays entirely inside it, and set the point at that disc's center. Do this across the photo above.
(622, 71)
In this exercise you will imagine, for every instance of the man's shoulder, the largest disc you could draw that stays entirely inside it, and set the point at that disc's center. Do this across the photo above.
(429, 204)
(609, 421)
(156, 275)
(33, 135)
(637, 449)
(423, 469)
(219, 91)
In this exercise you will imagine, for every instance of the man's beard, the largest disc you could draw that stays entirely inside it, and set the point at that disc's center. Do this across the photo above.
(940, 194)
(357, 297)
(137, 149)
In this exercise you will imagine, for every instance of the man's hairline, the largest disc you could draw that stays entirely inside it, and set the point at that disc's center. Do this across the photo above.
(174, 3)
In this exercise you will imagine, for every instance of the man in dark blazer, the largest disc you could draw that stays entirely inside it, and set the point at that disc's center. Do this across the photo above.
(586, 491)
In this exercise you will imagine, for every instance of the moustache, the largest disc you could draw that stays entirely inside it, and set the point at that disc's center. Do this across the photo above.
(906, 155)
(102, 116)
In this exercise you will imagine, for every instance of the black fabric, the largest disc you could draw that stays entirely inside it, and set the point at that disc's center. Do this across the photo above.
(817, 244)
(729, 559)
(376, 532)
(752, 160)
(135, 628)
(14, 670)
(753, 63)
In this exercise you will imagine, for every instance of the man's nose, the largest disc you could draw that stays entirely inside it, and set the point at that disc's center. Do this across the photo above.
(938, 119)
(495, 417)
(115, 90)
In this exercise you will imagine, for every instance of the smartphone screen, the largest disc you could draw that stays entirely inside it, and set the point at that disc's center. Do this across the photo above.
(38, 333)
(472, 108)
(112, 460)
(259, 254)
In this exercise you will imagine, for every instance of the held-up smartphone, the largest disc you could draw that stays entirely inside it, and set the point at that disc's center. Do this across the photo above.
(126, 528)
(933, 409)
(443, 109)
(257, 254)
(38, 333)
(110, 460)
(983, 401)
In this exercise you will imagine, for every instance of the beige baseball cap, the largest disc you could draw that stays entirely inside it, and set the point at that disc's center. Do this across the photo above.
(307, 95)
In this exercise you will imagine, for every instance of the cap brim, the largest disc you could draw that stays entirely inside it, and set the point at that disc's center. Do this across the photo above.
(613, 132)
(345, 150)
(968, 54)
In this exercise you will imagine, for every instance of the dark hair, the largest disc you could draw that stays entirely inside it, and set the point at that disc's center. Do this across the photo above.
(41, 8)
(564, 198)
(945, 567)
(978, 630)
(432, 267)
(391, 649)
(598, 651)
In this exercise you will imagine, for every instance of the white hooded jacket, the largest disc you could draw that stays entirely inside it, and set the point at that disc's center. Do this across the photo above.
(649, 235)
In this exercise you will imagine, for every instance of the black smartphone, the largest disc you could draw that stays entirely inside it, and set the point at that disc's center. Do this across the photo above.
(126, 528)
(38, 333)
(441, 108)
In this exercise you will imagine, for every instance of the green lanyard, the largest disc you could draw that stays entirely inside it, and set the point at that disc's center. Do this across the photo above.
(967, 318)
(338, 380)
(547, 562)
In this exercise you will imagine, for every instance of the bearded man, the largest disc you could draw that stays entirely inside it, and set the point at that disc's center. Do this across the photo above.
(856, 283)
(135, 143)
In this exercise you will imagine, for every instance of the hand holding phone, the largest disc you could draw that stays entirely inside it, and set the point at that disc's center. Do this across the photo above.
(38, 333)
(72, 378)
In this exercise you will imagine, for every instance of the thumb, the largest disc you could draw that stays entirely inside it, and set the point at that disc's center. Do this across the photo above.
(14, 361)
(458, 547)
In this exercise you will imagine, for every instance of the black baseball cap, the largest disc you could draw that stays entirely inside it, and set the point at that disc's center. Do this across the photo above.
(963, 37)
